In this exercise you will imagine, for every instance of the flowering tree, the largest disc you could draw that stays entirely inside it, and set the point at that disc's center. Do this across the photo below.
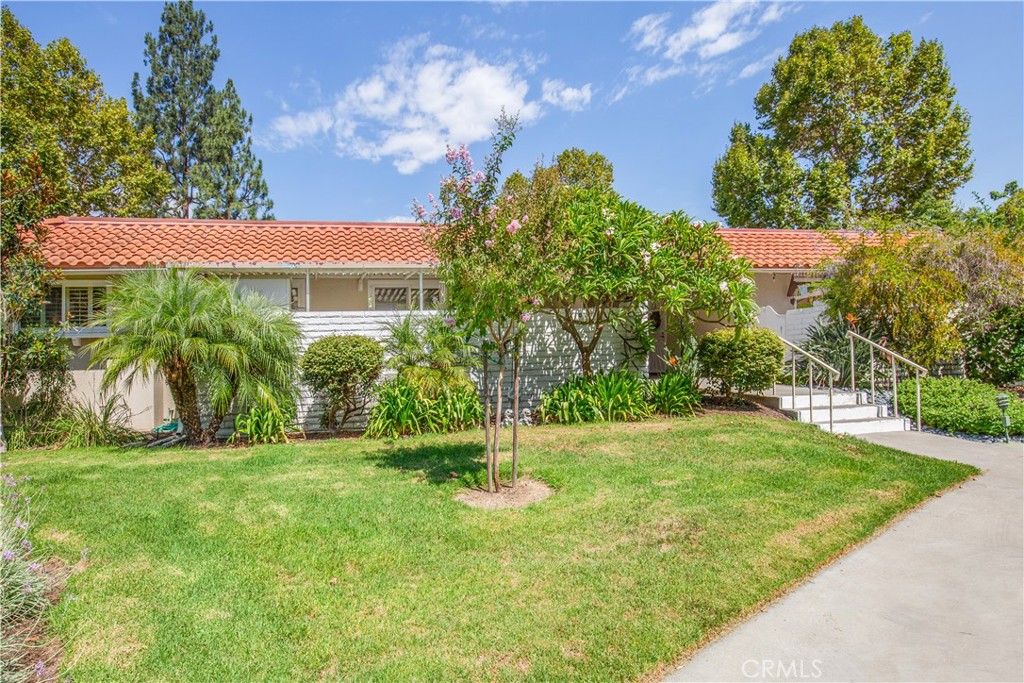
(485, 256)
(604, 256)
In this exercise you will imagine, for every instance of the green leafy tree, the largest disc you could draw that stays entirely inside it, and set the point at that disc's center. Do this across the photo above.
(229, 181)
(215, 346)
(907, 299)
(606, 258)
(852, 126)
(59, 127)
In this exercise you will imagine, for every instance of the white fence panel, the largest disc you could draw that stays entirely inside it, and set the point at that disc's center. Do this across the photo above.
(550, 356)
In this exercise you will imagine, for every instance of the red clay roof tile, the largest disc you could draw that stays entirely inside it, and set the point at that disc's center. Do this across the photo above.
(97, 242)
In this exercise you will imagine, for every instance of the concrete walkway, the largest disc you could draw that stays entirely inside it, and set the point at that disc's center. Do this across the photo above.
(938, 597)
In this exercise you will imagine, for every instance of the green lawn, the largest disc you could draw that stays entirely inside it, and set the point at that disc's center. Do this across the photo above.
(350, 559)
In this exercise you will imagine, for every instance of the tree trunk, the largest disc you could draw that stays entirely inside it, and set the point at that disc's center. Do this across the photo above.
(497, 419)
(516, 365)
(186, 402)
(487, 423)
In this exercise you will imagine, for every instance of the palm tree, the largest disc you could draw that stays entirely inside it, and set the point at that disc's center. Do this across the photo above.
(428, 352)
(215, 346)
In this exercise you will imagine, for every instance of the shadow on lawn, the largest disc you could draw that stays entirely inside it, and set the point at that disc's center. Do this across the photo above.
(437, 462)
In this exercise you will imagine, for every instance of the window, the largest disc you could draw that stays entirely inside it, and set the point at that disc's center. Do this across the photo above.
(402, 298)
(78, 305)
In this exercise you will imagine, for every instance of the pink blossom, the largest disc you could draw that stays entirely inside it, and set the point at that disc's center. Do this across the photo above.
(449, 322)
(525, 317)
(488, 243)
(525, 217)
(536, 301)
(479, 177)
(457, 213)
(513, 227)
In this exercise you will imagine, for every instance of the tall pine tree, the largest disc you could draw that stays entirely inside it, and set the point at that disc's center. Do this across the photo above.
(202, 134)
(230, 180)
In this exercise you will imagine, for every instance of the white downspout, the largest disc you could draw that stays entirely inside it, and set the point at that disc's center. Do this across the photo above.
(421, 290)
(307, 291)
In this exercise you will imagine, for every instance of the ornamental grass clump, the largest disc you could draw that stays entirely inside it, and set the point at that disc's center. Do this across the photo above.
(23, 590)
(615, 396)
(405, 409)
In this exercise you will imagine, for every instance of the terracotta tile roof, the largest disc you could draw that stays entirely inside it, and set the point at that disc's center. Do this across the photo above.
(95, 242)
(785, 249)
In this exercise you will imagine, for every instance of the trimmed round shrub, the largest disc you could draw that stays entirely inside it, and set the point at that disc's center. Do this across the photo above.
(750, 360)
(960, 405)
(674, 394)
(341, 370)
(618, 396)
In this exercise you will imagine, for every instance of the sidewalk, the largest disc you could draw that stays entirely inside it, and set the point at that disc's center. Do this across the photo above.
(938, 597)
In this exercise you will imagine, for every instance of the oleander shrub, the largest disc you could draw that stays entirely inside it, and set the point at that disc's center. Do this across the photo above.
(341, 370)
(614, 396)
(740, 361)
(675, 394)
(404, 409)
(960, 405)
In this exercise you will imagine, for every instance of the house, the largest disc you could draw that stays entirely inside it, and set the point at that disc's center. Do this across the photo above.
(340, 277)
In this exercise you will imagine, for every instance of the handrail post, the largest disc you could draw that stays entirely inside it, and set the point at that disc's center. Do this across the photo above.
(872, 351)
(853, 369)
(895, 394)
(810, 388)
(792, 385)
(831, 424)
(917, 380)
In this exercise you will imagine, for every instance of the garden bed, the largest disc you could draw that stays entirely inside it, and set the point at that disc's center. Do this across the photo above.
(354, 559)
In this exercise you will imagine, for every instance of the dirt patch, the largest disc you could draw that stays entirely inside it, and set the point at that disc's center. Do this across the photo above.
(526, 492)
(717, 405)
(795, 537)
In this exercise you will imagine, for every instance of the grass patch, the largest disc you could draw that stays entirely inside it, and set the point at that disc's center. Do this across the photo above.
(351, 559)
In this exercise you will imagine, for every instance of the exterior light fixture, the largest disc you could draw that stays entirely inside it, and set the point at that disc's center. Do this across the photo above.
(1003, 401)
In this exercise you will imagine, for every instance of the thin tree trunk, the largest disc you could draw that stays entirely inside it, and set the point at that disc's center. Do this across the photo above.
(487, 424)
(516, 365)
(497, 419)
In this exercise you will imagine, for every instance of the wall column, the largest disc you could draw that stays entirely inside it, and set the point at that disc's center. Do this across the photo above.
(307, 291)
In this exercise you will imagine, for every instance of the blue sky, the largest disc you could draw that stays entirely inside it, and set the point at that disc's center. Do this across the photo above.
(353, 102)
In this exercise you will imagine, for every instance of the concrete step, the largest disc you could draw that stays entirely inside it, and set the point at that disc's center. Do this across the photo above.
(868, 425)
(783, 398)
(840, 413)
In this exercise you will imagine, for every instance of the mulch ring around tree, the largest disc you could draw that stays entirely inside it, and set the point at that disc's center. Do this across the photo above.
(526, 491)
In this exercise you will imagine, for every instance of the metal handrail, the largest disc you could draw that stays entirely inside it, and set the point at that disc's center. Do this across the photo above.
(833, 374)
(893, 357)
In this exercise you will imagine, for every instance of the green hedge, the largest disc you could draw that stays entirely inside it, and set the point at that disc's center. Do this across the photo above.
(960, 405)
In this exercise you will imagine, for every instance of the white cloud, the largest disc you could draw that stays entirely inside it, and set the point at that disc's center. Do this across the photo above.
(558, 94)
(760, 65)
(423, 96)
(701, 45)
(398, 219)
(925, 17)
(649, 31)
